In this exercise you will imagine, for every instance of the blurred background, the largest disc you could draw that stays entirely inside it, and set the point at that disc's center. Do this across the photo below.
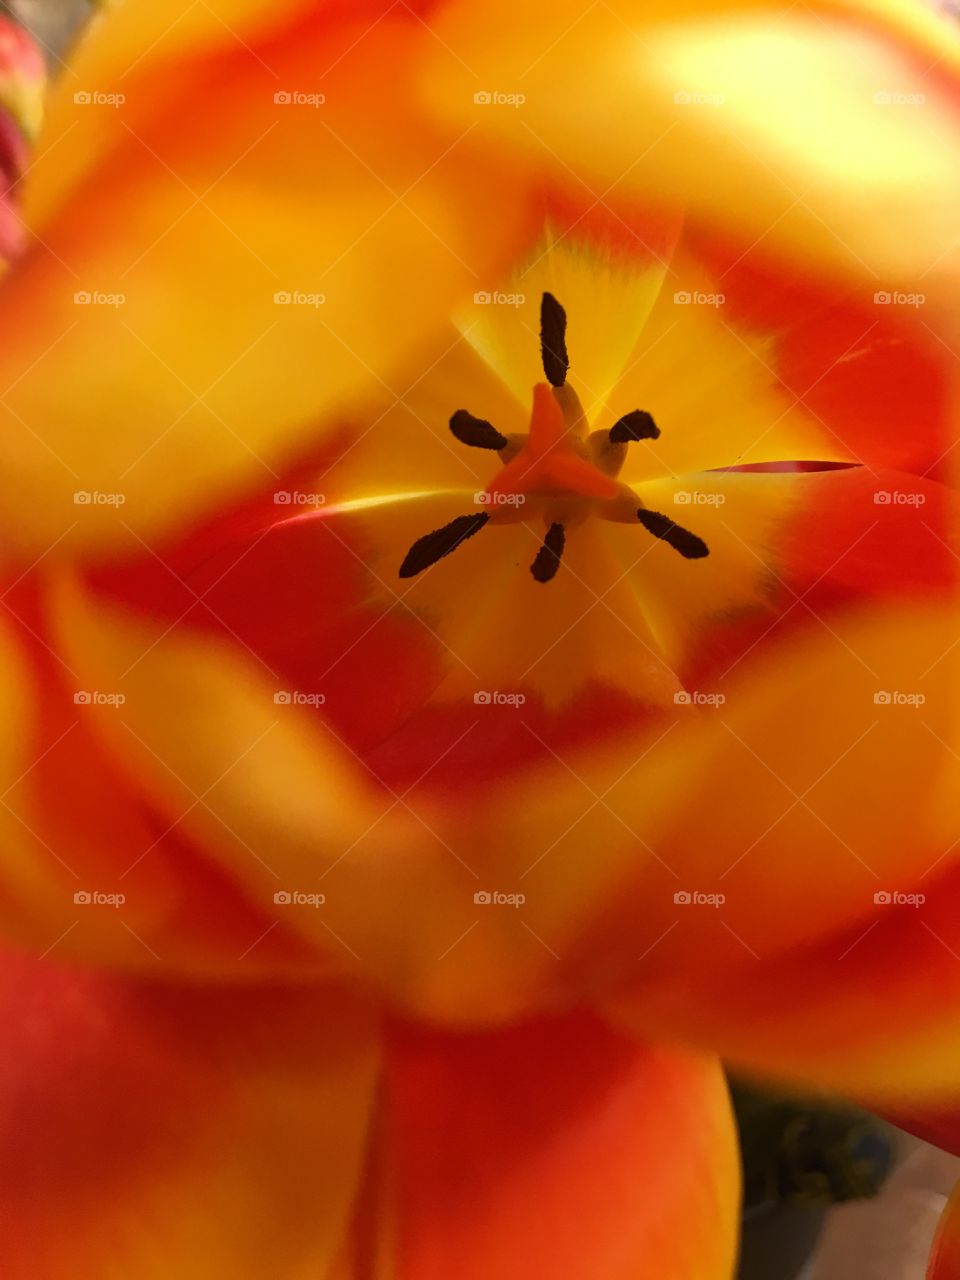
(53, 22)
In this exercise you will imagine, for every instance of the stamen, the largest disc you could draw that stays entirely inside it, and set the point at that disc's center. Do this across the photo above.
(547, 560)
(553, 344)
(426, 551)
(674, 535)
(636, 425)
(557, 463)
(476, 432)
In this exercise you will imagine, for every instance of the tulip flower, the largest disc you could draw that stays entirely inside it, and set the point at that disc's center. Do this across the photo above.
(474, 652)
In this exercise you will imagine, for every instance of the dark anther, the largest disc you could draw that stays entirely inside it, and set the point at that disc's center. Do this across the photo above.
(674, 535)
(432, 547)
(638, 425)
(476, 432)
(553, 343)
(547, 561)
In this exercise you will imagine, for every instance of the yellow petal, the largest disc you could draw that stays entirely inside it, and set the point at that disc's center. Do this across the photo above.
(772, 123)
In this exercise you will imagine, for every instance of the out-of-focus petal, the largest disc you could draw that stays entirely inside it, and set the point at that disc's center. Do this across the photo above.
(676, 866)
(801, 128)
(592, 760)
(151, 55)
(22, 84)
(152, 1130)
(22, 77)
(312, 244)
(869, 1011)
(859, 990)
(558, 1149)
(215, 747)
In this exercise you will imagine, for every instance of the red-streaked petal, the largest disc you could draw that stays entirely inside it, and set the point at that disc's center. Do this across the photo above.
(267, 227)
(476, 819)
(858, 359)
(624, 625)
(846, 973)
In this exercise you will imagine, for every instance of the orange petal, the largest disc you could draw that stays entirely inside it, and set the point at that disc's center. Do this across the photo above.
(154, 1130)
(555, 1149)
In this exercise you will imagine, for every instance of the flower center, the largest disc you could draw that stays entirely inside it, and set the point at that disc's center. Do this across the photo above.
(559, 472)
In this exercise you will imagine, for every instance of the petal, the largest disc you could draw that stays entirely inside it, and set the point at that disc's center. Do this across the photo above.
(859, 361)
(682, 866)
(152, 1130)
(772, 123)
(89, 862)
(223, 229)
(212, 745)
(143, 53)
(560, 1149)
(607, 277)
(741, 364)
(501, 795)
(859, 989)
(791, 549)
